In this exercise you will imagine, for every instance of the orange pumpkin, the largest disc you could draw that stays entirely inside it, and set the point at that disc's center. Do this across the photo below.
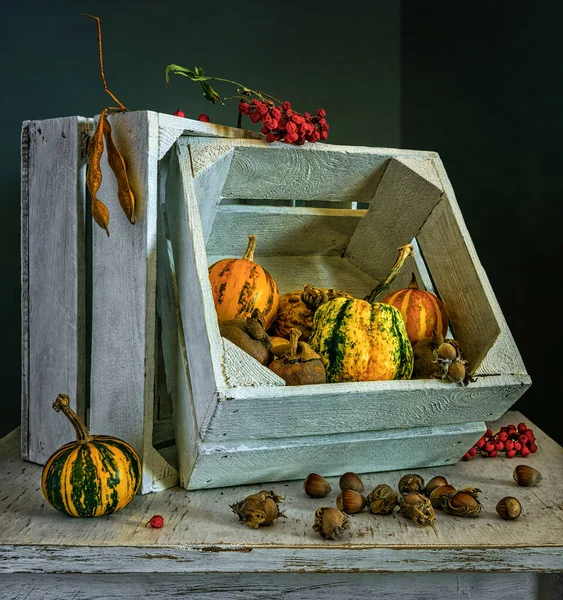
(422, 311)
(240, 285)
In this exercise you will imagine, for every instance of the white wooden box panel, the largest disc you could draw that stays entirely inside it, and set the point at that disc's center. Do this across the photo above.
(92, 312)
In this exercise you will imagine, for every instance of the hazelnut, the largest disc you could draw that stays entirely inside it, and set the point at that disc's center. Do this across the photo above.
(526, 476)
(258, 509)
(411, 483)
(447, 351)
(509, 508)
(437, 493)
(330, 522)
(418, 508)
(350, 502)
(351, 481)
(316, 486)
(456, 372)
(461, 504)
(382, 500)
(434, 483)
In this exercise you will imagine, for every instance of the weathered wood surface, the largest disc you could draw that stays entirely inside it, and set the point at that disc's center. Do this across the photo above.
(201, 534)
(360, 406)
(282, 586)
(53, 280)
(124, 301)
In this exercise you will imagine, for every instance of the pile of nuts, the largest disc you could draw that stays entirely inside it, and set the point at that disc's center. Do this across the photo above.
(416, 500)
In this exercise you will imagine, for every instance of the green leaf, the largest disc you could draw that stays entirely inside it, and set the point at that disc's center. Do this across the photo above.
(196, 75)
(209, 93)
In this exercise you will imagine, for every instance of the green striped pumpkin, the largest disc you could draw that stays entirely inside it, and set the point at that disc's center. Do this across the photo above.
(363, 340)
(95, 475)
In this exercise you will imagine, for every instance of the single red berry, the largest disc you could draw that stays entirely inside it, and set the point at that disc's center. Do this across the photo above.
(517, 446)
(489, 447)
(472, 451)
(255, 117)
(157, 522)
(499, 445)
(244, 108)
(509, 445)
(492, 454)
(321, 112)
(203, 117)
(522, 439)
(265, 130)
(488, 433)
(524, 451)
(510, 453)
(511, 426)
(530, 435)
(324, 135)
(179, 113)
(286, 105)
(532, 447)
(466, 456)
(522, 427)
(502, 436)
(504, 428)
(480, 443)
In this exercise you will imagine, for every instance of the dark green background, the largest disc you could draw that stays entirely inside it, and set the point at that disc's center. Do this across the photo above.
(479, 84)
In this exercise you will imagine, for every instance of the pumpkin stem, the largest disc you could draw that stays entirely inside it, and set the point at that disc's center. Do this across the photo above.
(413, 285)
(63, 403)
(294, 335)
(403, 253)
(249, 254)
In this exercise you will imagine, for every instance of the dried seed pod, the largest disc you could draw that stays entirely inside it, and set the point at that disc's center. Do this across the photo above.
(461, 504)
(351, 481)
(258, 509)
(410, 483)
(382, 500)
(350, 502)
(437, 493)
(434, 483)
(526, 476)
(316, 486)
(509, 508)
(418, 508)
(99, 210)
(330, 522)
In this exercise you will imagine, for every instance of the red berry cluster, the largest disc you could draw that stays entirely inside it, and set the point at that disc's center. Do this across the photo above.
(281, 123)
(511, 439)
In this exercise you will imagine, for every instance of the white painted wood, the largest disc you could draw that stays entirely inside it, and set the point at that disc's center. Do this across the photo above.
(355, 407)
(124, 299)
(242, 370)
(282, 231)
(202, 535)
(170, 128)
(53, 280)
(400, 206)
(280, 586)
(245, 461)
(199, 319)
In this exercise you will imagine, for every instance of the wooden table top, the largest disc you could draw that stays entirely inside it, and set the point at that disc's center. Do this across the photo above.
(202, 534)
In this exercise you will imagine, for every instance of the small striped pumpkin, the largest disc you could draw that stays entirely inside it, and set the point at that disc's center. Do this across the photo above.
(422, 311)
(239, 285)
(95, 475)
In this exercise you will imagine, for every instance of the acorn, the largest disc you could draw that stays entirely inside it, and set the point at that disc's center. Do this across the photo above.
(418, 508)
(411, 483)
(461, 504)
(351, 481)
(258, 509)
(316, 486)
(330, 522)
(350, 502)
(509, 508)
(437, 493)
(382, 500)
(526, 476)
(434, 483)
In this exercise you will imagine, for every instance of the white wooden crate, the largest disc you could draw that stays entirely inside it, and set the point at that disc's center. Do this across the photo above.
(233, 422)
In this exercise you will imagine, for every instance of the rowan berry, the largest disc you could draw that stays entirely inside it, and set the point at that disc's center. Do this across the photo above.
(493, 453)
(522, 427)
(524, 451)
(509, 445)
(502, 436)
(472, 451)
(533, 447)
(510, 453)
(203, 117)
(156, 522)
(481, 442)
(517, 446)
(499, 445)
(179, 113)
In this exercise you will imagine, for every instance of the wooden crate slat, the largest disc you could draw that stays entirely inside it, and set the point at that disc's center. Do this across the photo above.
(242, 370)
(53, 280)
(220, 465)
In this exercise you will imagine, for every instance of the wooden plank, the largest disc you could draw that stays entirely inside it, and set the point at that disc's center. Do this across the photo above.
(201, 533)
(400, 207)
(277, 586)
(289, 412)
(242, 370)
(124, 297)
(282, 231)
(53, 280)
(320, 172)
(199, 319)
(245, 461)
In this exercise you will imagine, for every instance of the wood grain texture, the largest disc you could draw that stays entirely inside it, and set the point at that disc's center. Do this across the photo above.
(242, 370)
(199, 319)
(290, 412)
(279, 586)
(282, 231)
(124, 299)
(53, 280)
(401, 205)
(202, 535)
